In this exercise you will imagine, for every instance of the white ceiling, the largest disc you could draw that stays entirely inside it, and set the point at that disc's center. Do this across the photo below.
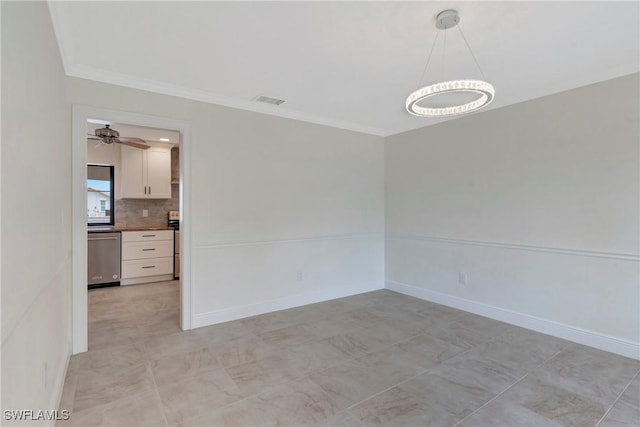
(345, 64)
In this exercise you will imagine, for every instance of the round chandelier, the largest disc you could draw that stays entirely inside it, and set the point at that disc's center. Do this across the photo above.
(485, 91)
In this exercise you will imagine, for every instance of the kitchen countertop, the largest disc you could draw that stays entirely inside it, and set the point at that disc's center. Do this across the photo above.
(113, 229)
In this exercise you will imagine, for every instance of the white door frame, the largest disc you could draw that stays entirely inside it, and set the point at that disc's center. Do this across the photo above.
(80, 115)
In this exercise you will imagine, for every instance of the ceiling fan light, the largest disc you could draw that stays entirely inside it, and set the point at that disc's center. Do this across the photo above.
(107, 133)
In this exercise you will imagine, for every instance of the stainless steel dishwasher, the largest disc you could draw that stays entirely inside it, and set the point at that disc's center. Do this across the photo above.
(103, 260)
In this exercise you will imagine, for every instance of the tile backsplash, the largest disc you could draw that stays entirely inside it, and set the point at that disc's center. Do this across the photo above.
(129, 211)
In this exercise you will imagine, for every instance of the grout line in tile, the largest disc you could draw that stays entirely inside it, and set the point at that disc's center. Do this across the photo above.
(508, 388)
(308, 374)
(617, 398)
(155, 385)
(385, 390)
(404, 381)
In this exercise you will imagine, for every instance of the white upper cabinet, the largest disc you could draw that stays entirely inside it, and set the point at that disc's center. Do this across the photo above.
(159, 173)
(146, 174)
(133, 174)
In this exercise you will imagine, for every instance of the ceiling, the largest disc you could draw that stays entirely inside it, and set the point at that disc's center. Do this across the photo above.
(344, 64)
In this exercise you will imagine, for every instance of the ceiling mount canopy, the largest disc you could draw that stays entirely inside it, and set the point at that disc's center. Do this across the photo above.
(447, 19)
(483, 90)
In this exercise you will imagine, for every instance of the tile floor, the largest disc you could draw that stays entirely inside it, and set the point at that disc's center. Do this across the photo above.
(376, 359)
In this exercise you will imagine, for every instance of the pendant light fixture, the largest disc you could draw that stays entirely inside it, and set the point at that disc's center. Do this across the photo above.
(485, 92)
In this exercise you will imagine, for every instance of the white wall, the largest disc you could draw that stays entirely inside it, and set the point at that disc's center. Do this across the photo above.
(270, 197)
(536, 202)
(36, 249)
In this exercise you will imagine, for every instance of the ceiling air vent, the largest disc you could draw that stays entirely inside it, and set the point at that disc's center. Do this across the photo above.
(267, 100)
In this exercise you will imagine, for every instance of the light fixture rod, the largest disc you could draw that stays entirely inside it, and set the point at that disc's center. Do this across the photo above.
(471, 51)
(429, 58)
(444, 51)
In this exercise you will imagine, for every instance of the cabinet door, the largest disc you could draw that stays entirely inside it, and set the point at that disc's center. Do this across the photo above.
(133, 173)
(158, 173)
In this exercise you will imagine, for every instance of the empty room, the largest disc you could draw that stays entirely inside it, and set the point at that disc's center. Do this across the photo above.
(291, 213)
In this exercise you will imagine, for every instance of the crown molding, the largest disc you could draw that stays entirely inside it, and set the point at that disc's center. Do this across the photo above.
(148, 85)
(73, 69)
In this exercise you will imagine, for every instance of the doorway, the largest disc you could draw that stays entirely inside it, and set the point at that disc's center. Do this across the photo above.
(81, 116)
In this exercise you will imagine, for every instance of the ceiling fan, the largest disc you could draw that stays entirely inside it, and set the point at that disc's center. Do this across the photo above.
(109, 136)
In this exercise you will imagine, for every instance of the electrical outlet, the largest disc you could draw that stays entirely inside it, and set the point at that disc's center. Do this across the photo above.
(463, 278)
(300, 276)
(145, 213)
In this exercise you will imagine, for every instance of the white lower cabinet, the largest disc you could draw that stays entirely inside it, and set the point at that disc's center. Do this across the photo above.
(147, 256)
(144, 250)
(147, 267)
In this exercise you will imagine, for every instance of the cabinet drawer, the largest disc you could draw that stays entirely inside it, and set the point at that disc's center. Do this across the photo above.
(145, 236)
(143, 250)
(147, 267)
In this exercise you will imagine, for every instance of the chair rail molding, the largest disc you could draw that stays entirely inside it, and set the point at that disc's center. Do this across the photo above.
(517, 246)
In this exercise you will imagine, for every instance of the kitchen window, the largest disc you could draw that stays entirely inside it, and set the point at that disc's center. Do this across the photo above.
(100, 195)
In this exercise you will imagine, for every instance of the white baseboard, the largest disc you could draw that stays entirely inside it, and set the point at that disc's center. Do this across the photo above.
(58, 388)
(581, 336)
(239, 312)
